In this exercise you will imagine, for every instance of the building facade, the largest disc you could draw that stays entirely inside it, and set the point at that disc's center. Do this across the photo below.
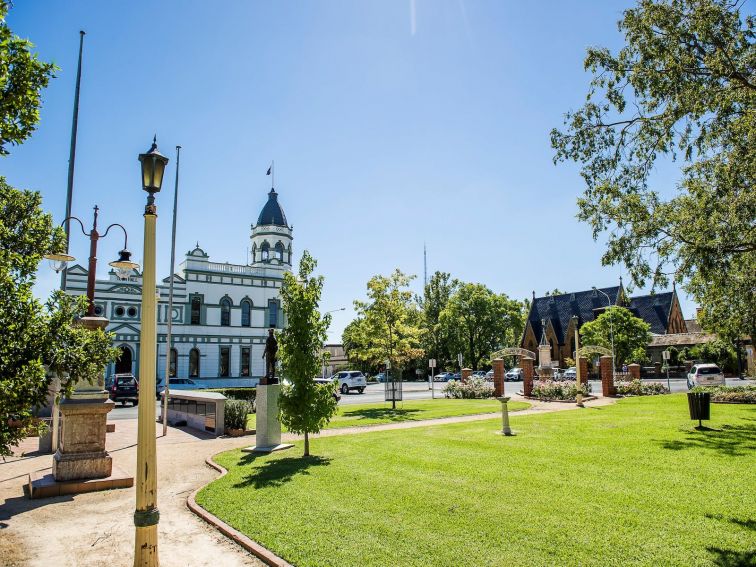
(221, 311)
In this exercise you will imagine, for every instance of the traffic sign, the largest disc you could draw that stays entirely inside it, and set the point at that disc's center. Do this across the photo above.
(432, 363)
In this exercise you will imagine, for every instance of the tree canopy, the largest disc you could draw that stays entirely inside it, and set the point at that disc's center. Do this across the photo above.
(437, 342)
(631, 334)
(681, 90)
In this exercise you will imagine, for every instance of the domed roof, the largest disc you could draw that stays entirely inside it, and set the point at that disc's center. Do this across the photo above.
(272, 213)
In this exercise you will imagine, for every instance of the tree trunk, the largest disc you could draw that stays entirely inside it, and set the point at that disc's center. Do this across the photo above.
(307, 444)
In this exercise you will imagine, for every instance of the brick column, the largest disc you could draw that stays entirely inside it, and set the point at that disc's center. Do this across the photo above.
(583, 362)
(634, 370)
(498, 370)
(607, 380)
(527, 375)
(466, 373)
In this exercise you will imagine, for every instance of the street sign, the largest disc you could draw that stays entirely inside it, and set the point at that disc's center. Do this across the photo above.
(665, 355)
(432, 363)
(388, 364)
(459, 359)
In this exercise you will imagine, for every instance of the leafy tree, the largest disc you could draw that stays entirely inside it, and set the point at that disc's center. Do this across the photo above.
(437, 342)
(631, 334)
(555, 291)
(480, 321)
(388, 328)
(36, 335)
(681, 90)
(22, 78)
(717, 351)
(306, 406)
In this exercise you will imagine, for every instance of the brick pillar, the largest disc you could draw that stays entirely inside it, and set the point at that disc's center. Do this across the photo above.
(634, 370)
(498, 370)
(583, 362)
(657, 369)
(527, 375)
(607, 380)
(466, 373)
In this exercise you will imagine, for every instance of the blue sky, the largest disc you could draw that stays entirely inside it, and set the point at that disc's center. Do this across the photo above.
(392, 124)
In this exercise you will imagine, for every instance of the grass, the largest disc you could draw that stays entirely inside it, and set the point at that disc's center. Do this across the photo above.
(356, 415)
(633, 483)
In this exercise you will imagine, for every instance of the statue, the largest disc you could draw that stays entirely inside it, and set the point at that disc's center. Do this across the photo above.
(271, 348)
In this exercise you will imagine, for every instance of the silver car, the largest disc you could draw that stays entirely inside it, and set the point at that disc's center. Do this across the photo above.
(350, 380)
(705, 375)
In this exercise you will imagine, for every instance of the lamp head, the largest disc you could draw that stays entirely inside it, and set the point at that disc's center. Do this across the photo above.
(153, 168)
(58, 261)
(123, 265)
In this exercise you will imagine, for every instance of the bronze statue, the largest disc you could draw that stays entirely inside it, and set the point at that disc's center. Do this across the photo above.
(271, 348)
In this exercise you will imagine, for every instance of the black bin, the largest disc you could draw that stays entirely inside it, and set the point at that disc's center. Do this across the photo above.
(699, 404)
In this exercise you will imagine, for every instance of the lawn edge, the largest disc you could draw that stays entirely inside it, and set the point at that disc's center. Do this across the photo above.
(262, 553)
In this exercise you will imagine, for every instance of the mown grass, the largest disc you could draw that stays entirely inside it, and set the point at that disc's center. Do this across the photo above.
(356, 415)
(629, 484)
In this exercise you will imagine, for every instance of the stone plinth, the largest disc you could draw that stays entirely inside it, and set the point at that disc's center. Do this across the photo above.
(634, 370)
(583, 362)
(81, 453)
(268, 436)
(607, 376)
(527, 375)
(498, 370)
(466, 373)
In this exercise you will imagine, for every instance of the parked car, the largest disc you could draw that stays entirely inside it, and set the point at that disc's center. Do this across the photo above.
(380, 377)
(705, 375)
(336, 393)
(570, 373)
(443, 377)
(456, 376)
(479, 374)
(179, 384)
(350, 380)
(124, 388)
(513, 375)
(490, 375)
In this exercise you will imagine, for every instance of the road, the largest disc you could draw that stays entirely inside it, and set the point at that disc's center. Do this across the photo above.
(419, 391)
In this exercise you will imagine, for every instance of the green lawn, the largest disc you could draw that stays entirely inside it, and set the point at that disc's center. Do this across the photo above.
(632, 483)
(352, 415)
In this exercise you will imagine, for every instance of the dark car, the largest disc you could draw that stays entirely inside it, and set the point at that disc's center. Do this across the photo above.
(125, 388)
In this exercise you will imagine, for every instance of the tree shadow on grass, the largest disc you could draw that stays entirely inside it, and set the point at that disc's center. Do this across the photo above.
(397, 414)
(748, 524)
(730, 440)
(732, 558)
(276, 472)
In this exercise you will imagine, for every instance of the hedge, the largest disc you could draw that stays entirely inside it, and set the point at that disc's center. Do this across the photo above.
(248, 394)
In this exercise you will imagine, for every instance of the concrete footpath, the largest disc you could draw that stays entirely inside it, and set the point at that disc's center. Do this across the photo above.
(96, 529)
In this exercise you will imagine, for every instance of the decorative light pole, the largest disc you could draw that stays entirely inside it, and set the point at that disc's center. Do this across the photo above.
(579, 394)
(146, 515)
(611, 329)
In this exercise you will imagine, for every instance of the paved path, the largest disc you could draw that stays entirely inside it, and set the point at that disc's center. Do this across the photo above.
(96, 529)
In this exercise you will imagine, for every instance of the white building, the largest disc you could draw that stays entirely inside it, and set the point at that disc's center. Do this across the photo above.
(221, 311)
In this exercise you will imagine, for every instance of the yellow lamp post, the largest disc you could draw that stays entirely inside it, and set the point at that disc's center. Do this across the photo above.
(146, 515)
(578, 378)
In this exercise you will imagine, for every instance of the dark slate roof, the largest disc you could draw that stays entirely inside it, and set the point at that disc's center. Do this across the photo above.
(654, 310)
(560, 308)
(272, 213)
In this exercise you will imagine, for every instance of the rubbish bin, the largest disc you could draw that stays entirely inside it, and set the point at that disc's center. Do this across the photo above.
(699, 404)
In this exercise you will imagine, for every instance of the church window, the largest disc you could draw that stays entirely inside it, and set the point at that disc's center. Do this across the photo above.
(194, 363)
(225, 306)
(246, 313)
(272, 313)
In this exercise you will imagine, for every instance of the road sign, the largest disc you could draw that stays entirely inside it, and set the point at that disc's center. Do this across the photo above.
(459, 359)
(432, 363)
(388, 364)
(665, 355)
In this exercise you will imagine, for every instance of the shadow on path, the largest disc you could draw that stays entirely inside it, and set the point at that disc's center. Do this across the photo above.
(276, 472)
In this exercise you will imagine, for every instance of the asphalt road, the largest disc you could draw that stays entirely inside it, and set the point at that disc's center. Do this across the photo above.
(419, 391)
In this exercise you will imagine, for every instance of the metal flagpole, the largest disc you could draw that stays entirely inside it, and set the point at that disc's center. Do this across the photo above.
(169, 316)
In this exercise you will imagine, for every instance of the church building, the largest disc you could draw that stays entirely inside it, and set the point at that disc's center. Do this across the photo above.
(221, 311)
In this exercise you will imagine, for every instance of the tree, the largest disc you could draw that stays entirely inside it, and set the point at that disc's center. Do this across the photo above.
(22, 78)
(36, 335)
(437, 342)
(388, 329)
(555, 291)
(631, 334)
(481, 321)
(681, 90)
(306, 407)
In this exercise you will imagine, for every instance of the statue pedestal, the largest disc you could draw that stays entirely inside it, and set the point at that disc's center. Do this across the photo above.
(81, 453)
(268, 435)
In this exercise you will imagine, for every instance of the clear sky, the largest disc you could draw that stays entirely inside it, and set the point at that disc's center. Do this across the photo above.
(391, 123)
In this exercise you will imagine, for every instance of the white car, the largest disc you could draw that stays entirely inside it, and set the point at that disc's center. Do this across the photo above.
(350, 380)
(570, 373)
(513, 375)
(705, 375)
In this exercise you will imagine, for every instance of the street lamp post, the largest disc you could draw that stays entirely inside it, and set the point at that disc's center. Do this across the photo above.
(611, 330)
(146, 515)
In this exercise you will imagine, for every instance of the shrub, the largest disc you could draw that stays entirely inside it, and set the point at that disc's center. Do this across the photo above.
(562, 390)
(235, 415)
(248, 394)
(639, 388)
(474, 388)
(732, 394)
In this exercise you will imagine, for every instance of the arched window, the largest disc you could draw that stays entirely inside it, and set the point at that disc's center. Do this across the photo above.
(279, 252)
(174, 363)
(254, 253)
(194, 363)
(246, 313)
(265, 252)
(272, 313)
(225, 305)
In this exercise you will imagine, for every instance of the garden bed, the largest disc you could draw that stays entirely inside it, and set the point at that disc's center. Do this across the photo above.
(729, 394)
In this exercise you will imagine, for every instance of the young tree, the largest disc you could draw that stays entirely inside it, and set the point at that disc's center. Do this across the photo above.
(305, 406)
(22, 78)
(631, 334)
(481, 321)
(682, 89)
(437, 342)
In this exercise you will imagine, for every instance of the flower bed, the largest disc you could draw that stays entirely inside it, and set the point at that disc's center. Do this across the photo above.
(730, 394)
(563, 390)
(639, 388)
(474, 388)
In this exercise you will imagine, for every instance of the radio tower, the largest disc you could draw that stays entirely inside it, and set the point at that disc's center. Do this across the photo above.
(425, 268)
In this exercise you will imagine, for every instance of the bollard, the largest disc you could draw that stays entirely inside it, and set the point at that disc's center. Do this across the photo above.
(505, 429)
